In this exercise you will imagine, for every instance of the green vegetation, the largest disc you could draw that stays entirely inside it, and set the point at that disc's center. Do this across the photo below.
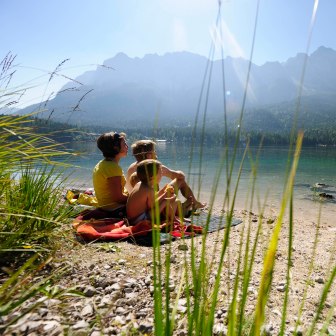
(31, 215)
(65, 133)
(32, 218)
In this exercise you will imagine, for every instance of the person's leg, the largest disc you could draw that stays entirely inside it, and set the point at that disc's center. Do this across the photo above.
(181, 184)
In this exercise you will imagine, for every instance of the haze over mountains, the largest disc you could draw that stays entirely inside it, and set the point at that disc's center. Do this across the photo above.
(137, 91)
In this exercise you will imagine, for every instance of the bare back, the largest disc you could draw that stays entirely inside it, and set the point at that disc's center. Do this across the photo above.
(140, 200)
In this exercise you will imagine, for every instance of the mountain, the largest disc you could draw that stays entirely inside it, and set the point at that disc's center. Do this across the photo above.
(138, 91)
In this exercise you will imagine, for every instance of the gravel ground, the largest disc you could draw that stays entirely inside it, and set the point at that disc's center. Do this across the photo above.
(117, 283)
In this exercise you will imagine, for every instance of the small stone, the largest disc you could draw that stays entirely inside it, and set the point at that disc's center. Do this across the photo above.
(115, 287)
(219, 329)
(276, 312)
(268, 328)
(171, 287)
(141, 313)
(281, 288)
(130, 317)
(183, 247)
(131, 295)
(120, 310)
(89, 291)
(81, 325)
(121, 272)
(95, 333)
(119, 320)
(145, 327)
(121, 262)
(148, 280)
(319, 280)
(182, 302)
(131, 282)
(87, 310)
(182, 309)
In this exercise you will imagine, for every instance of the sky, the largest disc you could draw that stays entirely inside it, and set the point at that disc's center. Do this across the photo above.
(43, 33)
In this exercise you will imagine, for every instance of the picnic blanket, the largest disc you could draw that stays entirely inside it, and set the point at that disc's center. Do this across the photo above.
(94, 225)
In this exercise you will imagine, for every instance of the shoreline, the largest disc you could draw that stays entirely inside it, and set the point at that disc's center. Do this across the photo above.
(116, 279)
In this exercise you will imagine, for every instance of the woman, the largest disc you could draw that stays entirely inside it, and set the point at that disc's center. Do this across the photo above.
(108, 178)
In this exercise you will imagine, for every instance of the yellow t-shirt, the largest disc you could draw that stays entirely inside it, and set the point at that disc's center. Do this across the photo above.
(101, 172)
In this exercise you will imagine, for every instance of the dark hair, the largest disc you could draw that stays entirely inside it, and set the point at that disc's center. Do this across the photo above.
(146, 169)
(141, 148)
(109, 143)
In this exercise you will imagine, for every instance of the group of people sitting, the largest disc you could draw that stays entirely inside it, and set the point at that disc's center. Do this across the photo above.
(138, 196)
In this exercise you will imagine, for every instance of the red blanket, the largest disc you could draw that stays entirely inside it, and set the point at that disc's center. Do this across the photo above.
(92, 226)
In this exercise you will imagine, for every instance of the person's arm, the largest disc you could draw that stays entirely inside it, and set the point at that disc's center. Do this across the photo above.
(114, 183)
(130, 171)
(172, 174)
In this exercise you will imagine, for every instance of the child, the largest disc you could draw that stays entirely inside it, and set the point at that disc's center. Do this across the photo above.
(145, 149)
(143, 198)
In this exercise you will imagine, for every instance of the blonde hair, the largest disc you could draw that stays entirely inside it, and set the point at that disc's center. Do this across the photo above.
(146, 169)
(141, 147)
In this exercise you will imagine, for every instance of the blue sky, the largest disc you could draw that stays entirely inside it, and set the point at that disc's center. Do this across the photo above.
(42, 33)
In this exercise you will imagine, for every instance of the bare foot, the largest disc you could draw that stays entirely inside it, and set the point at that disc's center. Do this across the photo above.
(198, 205)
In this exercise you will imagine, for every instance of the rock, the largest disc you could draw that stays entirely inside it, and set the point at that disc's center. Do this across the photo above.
(141, 313)
(182, 309)
(89, 291)
(95, 333)
(131, 282)
(268, 328)
(172, 259)
(219, 329)
(115, 287)
(53, 328)
(131, 295)
(281, 288)
(81, 325)
(119, 320)
(183, 247)
(105, 301)
(145, 327)
(319, 280)
(182, 302)
(120, 310)
(87, 310)
(121, 272)
(121, 261)
(326, 196)
(130, 317)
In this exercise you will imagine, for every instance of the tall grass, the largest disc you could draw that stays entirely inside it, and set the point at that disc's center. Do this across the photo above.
(31, 214)
(196, 285)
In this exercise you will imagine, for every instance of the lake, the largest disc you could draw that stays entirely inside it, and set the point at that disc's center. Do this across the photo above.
(316, 165)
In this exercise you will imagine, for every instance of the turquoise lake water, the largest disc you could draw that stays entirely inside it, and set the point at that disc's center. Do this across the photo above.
(316, 165)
